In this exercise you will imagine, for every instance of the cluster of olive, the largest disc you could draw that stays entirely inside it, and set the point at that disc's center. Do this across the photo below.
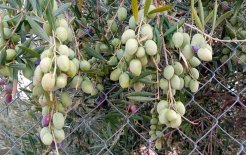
(170, 114)
(176, 77)
(138, 49)
(59, 63)
(134, 53)
(53, 132)
(165, 113)
(6, 35)
(155, 125)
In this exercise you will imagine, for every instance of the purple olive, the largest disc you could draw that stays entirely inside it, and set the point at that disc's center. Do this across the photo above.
(90, 32)
(225, 6)
(2, 82)
(58, 144)
(8, 88)
(101, 101)
(195, 48)
(46, 120)
(8, 98)
(132, 108)
(37, 62)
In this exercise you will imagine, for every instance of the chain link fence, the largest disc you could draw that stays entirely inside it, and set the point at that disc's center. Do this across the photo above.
(103, 125)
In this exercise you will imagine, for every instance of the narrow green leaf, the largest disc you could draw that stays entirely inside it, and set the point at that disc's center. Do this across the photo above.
(143, 93)
(161, 9)
(80, 4)
(223, 17)
(215, 16)
(135, 9)
(13, 3)
(30, 51)
(142, 75)
(2, 39)
(157, 37)
(147, 81)
(201, 12)
(93, 53)
(50, 17)
(237, 7)
(3, 56)
(16, 2)
(182, 6)
(141, 98)
(26, 44)
(15, 73)
(197, 20)
(146, 6)
(174, 28)
(13, 19)
(210, 15)
(230, 30)
(6, 7)
(39, 49)
(61, 9)
(32, 141)
(16, 151)
(37, 29)
(18, 66)
(166, 22)
(195, 16)
(34, 5)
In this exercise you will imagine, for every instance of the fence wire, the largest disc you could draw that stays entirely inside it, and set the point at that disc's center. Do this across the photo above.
(218, 108)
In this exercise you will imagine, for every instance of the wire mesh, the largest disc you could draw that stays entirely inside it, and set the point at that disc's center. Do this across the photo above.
(219, 108)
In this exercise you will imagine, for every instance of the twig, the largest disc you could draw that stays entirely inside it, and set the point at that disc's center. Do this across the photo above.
(55, 142)
(54, 52)
(193, 123)
(139, 28)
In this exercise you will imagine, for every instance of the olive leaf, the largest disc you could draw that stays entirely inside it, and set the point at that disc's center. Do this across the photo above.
(6, 7)
(201, 12)
(223, 17)
(141, 98)
(142, 75)
(209, 16)
(161, 9)
(3, 56)
(146, 6)
(142, 93)
(174, 28)
(62, 8)
(80, 4)
(30, 51)
(18, 66)
(50, 17)
(195, 16)
(37, 29)
(135, 9)
(214, 16)
(93, 53)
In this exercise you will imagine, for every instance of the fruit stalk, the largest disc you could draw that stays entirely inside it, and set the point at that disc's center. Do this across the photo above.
(1, 29)
(54, 50)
